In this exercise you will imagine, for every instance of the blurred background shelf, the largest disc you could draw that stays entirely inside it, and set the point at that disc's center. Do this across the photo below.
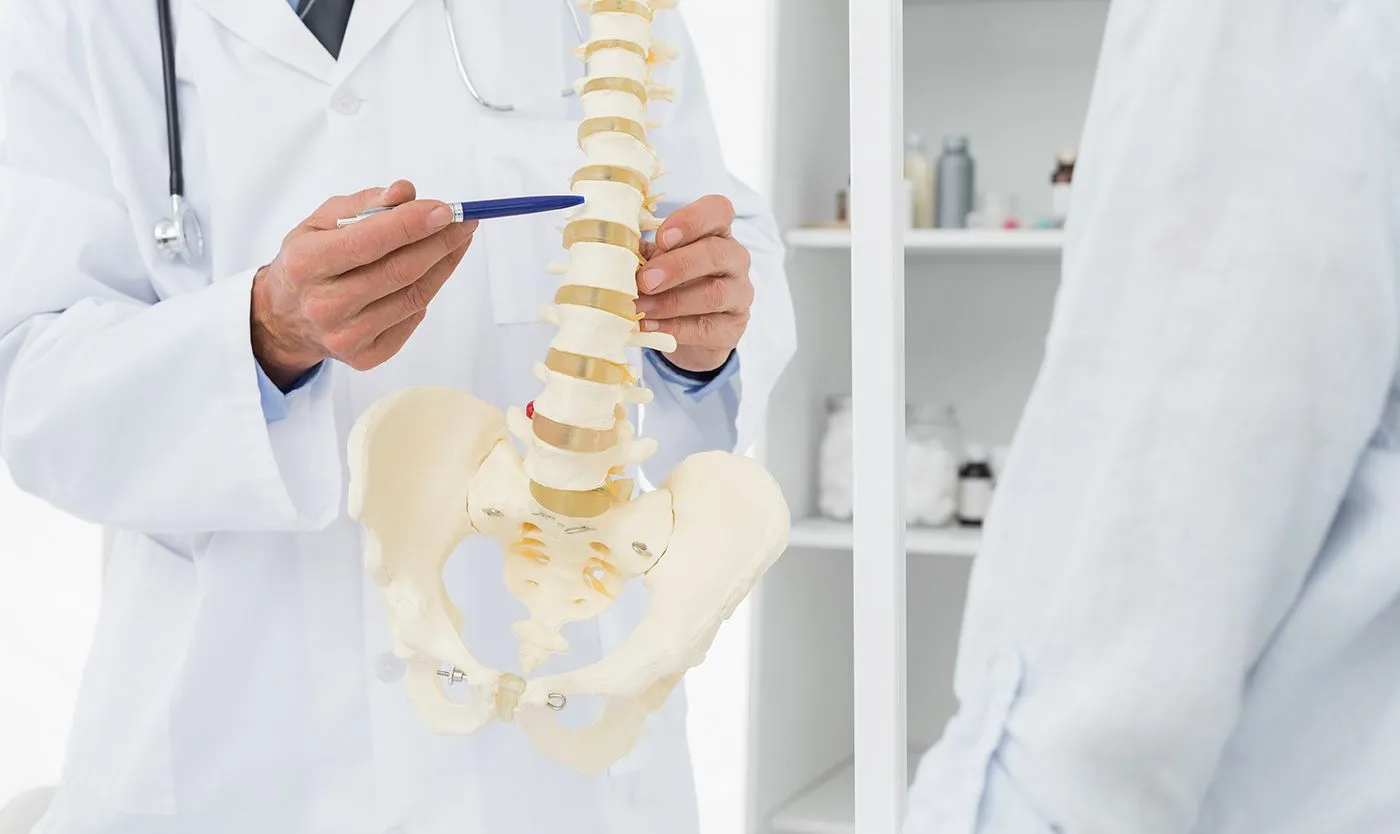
(827, 806)
(826, 534)
(1042, 243)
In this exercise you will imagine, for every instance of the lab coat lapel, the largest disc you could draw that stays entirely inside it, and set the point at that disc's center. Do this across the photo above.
(273, 27)
(370, 21)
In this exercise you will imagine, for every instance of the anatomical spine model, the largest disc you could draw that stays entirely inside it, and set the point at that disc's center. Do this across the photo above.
(431, 466)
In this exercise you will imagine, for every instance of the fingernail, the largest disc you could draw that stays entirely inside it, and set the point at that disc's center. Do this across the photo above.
(649, 325)
(651, 279)
(670, 237)
(439, 217)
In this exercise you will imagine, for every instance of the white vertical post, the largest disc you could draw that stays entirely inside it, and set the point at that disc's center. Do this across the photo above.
(877, 370)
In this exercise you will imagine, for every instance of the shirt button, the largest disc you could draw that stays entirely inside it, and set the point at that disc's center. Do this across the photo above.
(346, 102)
(389, 667)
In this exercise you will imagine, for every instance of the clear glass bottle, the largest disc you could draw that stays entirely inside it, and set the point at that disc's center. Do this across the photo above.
(933, 450)
(835, 465)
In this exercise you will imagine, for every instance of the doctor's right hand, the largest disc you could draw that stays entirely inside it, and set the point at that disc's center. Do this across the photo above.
(353, 294)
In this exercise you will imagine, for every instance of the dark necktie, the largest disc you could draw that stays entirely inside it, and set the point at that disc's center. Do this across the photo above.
(327, 20)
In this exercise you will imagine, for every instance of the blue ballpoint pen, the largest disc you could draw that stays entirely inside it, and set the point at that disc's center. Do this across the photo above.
(483, 209)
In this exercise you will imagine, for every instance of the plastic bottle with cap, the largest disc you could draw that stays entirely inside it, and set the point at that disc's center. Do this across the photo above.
(956, 184)
(1060, 181)
(975, 485)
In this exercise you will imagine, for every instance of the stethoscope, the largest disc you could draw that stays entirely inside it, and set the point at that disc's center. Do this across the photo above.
(179, 237)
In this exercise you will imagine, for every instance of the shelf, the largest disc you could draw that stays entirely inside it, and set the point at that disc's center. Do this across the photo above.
(825, 534)
(827, 806)
(970, 2)
(979, 2)
(982, 243)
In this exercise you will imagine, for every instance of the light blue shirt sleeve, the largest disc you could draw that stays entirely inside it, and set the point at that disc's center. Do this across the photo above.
(274, 400)
(696, 389)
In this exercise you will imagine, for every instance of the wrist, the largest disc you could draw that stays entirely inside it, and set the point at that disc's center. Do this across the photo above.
(281, 359)
(696, 364)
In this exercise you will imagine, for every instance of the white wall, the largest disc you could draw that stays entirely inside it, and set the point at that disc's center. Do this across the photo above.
(49, 564)
(732, 40)
(49, 572)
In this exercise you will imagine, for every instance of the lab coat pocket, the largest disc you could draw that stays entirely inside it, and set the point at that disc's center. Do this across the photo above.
(520, 157)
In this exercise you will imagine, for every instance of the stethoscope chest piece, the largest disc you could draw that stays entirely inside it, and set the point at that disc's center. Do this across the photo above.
(179, 237)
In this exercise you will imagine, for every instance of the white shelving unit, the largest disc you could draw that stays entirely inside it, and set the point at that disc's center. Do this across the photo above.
(825, 534)
(982, 243)
(826, 807)
(855, 642)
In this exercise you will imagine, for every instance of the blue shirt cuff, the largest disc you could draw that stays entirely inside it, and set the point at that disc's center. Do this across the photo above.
(274, 400)
(697, 387)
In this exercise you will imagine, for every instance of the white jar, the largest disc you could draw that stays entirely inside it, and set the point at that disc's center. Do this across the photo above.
(836, 464)
(933, 447)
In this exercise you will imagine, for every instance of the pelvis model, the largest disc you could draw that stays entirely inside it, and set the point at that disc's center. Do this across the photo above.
(431, 466)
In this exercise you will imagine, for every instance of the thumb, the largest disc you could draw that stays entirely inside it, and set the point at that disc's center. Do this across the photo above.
(399, 191)
(349, 205)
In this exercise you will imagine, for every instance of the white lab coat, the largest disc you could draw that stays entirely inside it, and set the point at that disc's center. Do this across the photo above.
(240, 679)
(1186, 617)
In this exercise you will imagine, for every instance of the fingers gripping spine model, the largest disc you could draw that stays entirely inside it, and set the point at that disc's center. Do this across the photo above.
(431, 466)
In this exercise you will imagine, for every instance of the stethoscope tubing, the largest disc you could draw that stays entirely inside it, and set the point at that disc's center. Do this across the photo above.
(172, 105)
(171, 235)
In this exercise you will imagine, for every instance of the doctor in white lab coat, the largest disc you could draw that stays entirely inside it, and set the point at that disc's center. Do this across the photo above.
(1186, 616)
(241, 678)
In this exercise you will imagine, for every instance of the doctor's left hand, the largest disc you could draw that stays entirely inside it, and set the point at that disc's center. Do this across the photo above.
(695, 284)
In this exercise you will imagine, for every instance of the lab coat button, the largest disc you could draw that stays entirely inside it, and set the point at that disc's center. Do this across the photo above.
(346, 103)
(389, 667)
